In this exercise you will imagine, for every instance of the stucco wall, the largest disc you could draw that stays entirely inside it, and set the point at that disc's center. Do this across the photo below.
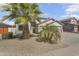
(73, 21)
(13, 30)
(51, 23)
(75, 28)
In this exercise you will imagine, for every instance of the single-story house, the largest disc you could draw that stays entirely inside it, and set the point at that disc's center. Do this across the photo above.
(70, 24)
(37, 27)
(51, 22)
(33, 27)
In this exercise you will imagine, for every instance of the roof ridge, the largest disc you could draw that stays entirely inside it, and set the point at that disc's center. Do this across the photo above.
(66, 19)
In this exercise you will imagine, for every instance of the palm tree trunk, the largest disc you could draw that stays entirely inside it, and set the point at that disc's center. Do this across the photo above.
(26, 33)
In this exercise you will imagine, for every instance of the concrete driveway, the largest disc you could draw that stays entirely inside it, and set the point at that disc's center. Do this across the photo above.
(70, 38)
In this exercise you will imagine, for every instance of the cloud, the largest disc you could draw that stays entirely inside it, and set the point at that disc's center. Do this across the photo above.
(75, 15)
(72, 9)
(67, 16)
(64, 16)
(45, 15)
(2, 4)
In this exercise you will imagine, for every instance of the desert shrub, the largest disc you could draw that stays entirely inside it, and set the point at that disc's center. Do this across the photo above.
(49, 32)
(7, 35)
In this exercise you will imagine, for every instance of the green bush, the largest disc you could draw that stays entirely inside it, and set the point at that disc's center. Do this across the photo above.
(8, 35)
(49, 32)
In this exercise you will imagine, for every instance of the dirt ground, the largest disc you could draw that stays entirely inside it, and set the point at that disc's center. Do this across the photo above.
(30, 47)
(15, 47)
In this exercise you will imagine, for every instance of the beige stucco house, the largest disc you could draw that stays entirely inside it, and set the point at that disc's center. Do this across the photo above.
(37, 27)
(50, 22)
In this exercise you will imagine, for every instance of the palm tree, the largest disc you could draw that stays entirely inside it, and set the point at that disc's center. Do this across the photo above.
(22, 13)
(48, 33)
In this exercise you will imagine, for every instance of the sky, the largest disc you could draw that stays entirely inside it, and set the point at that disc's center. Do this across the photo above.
(58, 11)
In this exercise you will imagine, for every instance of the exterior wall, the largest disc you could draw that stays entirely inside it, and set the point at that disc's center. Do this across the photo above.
(20, 31)
(56, 24)
(13, 30)
(73, 21)
(39, 28)
(51, 24)
(48, 22)
(17, 30)
(75, 28)
(59, 27)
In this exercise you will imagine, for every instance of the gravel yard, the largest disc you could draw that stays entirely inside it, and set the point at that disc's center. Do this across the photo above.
(25, 47)
(15, 47)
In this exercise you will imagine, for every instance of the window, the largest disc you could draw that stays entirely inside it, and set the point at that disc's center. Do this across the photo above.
(20, 27)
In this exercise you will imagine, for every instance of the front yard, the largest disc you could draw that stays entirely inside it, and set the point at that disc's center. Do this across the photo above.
(32, 47)
(25, 47)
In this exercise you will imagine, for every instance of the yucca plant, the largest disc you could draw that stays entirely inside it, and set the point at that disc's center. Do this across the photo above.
(48, 33)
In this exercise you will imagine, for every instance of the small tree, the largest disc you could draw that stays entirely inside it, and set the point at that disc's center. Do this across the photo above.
(48, 32)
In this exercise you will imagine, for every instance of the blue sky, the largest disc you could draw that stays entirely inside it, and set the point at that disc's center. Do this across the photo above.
(57, 11)
(52, 10)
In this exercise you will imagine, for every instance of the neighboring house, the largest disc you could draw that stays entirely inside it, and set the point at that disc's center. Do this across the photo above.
(5, 28)
(70, 24)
